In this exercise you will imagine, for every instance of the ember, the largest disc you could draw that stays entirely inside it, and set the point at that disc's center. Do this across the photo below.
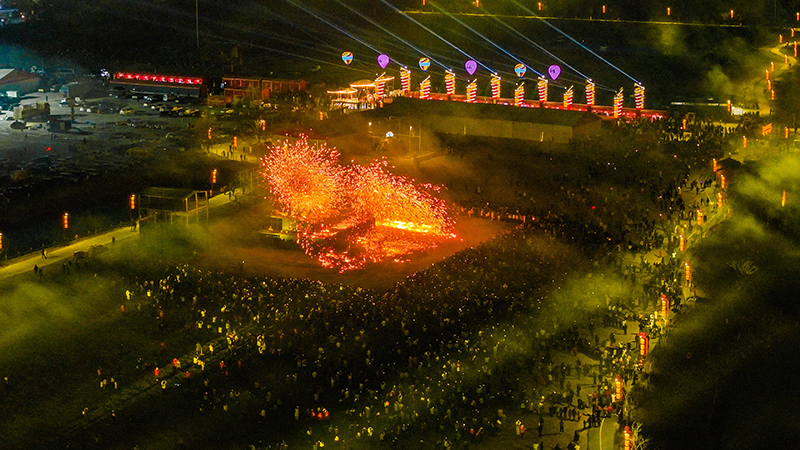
(351, 215)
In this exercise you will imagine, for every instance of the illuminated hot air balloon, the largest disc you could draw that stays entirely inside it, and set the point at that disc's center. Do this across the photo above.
(520, 70)
(347, 57)
(424, 63)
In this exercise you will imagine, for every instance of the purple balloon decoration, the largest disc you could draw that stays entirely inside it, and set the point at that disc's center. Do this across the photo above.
(554, 71)
(383, 61)
(471, 67)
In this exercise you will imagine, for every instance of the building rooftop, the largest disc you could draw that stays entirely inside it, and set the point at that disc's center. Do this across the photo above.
(10, 76)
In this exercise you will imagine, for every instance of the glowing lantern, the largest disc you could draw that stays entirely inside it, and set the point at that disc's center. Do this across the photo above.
(425, 88)
(347, 57)
(797, 17)
(638, 94)
(783, 199)
(214, 176)
(495, 83)
(618, 99)
(719, 199)
(714, 164)
(628, 444)
(132, 201)
(688, 270)
(520, 69)
(1, 242)
(766, 71)
(664, 305)
(722, 183)
(772, 94)
(604, 9)
(682, 243)
(744, 141)
(772, 66)
(540, 6)
(405, 79)
(590, 90)
(731, 14)
(780, 39)
(472, 91)
(644, 345)
(541, 85)
(519, 94)
(683, 124)
(263, 125)
(699, 217)
(209, 134)
(618, 387)
(568, 97)
(65, 221)
(424, 63)
(235, 142)
(795, 49)
(729, 106)
(669, 11)
(450, 82)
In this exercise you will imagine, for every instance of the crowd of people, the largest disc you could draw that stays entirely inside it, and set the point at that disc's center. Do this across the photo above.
(515, 330)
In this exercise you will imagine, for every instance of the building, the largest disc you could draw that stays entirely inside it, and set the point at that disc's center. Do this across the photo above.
(182, 86)
(248, 90)
(16, 83)
(492, 121)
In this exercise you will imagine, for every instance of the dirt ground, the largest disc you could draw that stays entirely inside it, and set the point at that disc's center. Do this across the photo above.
(235, 239)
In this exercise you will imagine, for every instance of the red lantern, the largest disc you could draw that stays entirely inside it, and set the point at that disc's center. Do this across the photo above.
(618, 387)
(628, 439)
(644, 345)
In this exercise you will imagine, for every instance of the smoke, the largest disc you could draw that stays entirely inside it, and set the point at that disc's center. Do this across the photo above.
(727, 357)
(669, 40)
(717, 82)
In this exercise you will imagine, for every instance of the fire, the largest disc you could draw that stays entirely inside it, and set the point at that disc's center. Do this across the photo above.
(349, 216)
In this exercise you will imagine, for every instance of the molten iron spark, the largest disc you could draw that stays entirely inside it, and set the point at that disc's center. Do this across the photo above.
(348, 216)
